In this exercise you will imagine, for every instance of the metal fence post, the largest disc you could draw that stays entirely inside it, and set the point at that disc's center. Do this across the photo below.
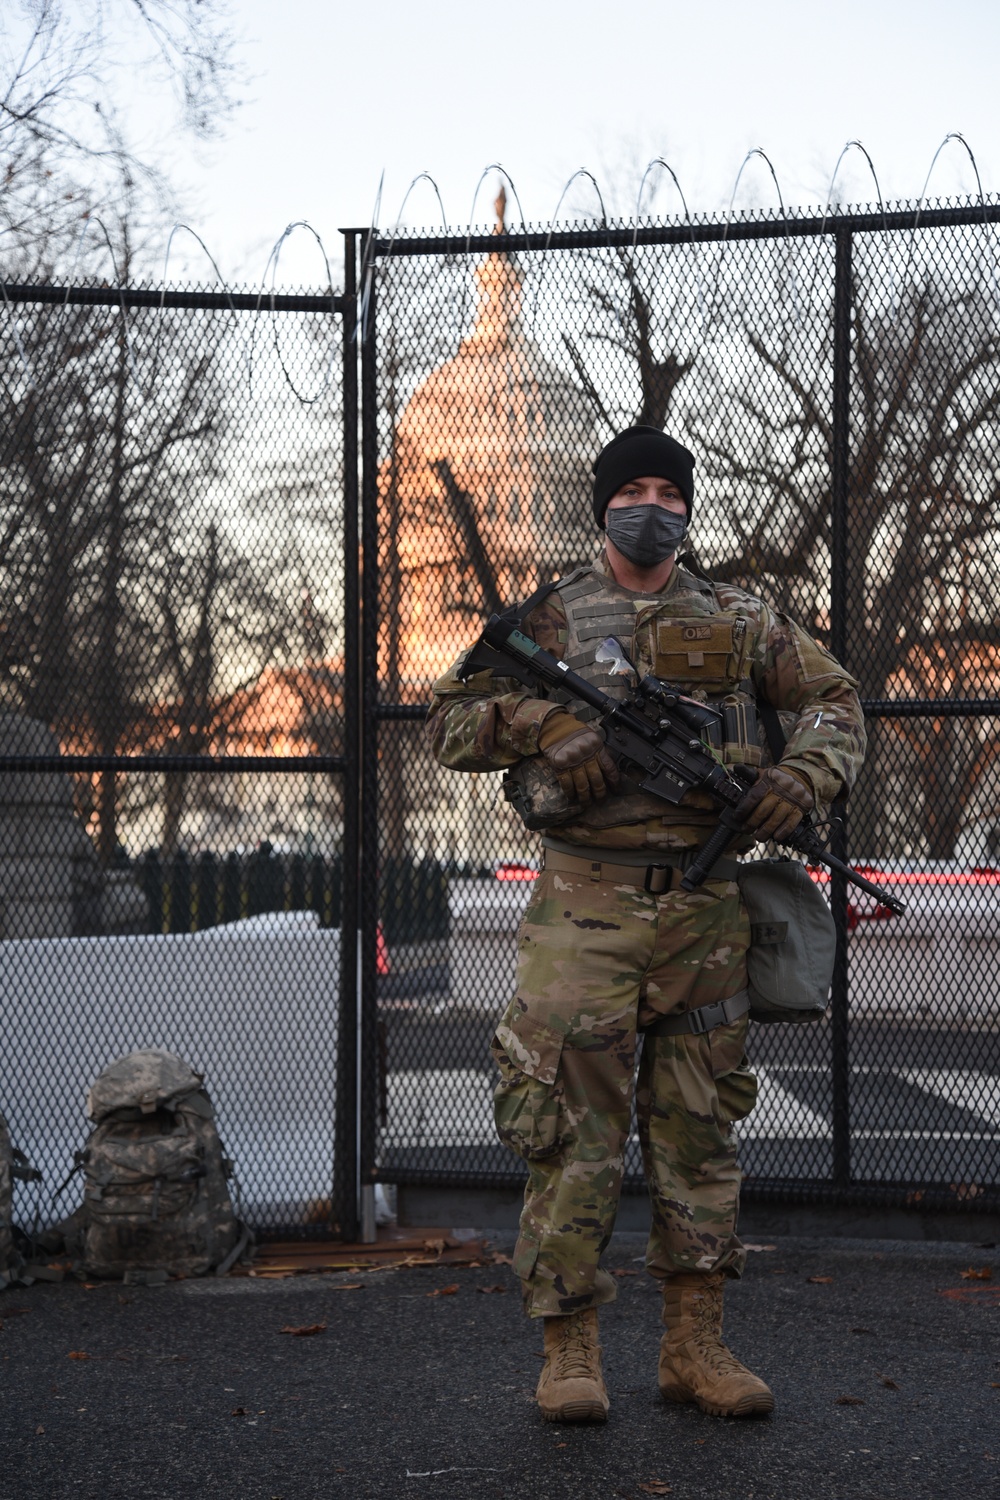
(344, 1206)
(839, 606)
(369, 830)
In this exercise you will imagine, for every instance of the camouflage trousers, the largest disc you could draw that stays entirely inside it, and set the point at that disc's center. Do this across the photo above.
(598, 961)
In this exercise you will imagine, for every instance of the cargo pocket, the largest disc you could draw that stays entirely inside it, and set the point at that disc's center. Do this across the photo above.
(528, 1100)
(735, 1085)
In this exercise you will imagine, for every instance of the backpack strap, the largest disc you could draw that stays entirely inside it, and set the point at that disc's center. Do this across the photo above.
(518, 613)
(243, 1244)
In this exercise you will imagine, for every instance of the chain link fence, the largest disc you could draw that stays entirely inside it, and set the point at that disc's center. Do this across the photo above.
(837, 378)
(172, 710)
(239, 539)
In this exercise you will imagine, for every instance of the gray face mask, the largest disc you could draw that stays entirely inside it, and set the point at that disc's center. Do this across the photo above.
(645, 534)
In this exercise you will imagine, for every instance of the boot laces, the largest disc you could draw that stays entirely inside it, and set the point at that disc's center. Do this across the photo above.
(574, 1356)
(708, 1326)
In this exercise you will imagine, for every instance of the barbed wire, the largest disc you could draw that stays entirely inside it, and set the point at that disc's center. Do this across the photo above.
(38, 379)
(272, 265)
(955, 135)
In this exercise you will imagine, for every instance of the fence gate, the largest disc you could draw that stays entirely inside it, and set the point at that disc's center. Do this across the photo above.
(179, 791)
(837, 378)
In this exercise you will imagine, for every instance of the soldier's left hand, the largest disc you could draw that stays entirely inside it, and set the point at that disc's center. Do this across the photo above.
(777, 802)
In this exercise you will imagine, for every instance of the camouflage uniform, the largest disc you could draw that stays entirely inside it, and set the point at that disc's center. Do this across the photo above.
(602, 959)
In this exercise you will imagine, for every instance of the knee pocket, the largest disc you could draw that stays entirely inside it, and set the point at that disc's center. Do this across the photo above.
(735, 1085)
(706, 1079)
(528, 1102)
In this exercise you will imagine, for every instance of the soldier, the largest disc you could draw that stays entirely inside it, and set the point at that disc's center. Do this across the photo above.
(611, 947)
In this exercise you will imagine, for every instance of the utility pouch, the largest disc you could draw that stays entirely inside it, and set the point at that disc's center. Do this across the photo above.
(792, 941)
(704, 652)
(532, 789)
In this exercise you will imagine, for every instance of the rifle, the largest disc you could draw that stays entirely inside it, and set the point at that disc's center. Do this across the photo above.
(657, 733)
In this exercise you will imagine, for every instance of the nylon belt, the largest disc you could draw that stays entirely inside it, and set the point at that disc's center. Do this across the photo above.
(705, 1018)
(657, 876)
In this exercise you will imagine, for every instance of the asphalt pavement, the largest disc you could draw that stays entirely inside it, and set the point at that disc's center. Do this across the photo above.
(884, 1359)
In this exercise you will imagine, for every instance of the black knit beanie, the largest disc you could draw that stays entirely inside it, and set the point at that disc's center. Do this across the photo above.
(634, 454)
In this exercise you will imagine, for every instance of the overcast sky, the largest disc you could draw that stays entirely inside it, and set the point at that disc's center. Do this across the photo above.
(546, 86)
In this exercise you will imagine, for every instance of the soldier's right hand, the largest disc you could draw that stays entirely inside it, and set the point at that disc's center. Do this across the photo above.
(576, 752)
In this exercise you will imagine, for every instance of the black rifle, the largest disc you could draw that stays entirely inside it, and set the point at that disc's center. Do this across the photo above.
(657, 732)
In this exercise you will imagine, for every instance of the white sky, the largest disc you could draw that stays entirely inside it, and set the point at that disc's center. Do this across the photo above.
(546, 86)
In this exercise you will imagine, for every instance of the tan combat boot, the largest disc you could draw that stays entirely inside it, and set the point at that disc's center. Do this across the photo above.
(571, 1386)
(695, 1364)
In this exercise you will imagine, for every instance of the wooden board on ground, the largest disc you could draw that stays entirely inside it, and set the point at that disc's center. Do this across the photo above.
(393, 1250)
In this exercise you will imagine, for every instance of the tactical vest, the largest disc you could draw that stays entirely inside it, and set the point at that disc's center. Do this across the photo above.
(699, 637)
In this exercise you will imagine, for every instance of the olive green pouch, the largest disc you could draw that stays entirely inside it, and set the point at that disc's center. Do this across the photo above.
(792, 941)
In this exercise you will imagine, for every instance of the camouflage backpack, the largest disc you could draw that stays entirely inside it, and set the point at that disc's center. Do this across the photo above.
(156, 1196)
(14, 1165)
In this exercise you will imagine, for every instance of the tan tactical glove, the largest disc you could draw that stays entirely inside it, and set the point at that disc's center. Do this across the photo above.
(777, 803)
(575, 751)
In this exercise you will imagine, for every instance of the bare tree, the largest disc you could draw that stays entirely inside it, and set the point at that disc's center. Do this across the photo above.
(95, 465)
(64, 67)
(636, 302)
(748, 382)
(923, 485)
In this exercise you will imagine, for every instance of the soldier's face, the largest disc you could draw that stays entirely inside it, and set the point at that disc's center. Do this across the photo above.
(649, 491)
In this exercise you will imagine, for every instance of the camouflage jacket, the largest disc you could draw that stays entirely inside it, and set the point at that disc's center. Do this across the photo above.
(489, 724)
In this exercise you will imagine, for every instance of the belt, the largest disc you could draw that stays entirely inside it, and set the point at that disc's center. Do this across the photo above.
(703, 1019)
(656, 877)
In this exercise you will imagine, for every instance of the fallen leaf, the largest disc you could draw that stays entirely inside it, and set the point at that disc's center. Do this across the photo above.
(434, 1247)
(890, 1385)
(995, 1385)
(849, 1401)
(819, 1280)
(657, 1487)
(862, 1330)
(760, 1247)
(305, 1330)
(562, 1445)
(624, 1273)
(981, 1296)
(497, 1288)
(15, 1312)
(348, 1286)
(444, 1291)
(985, 1274)
(238, 1411)
(39, 1431)
(78, 1354)
(501, 1260)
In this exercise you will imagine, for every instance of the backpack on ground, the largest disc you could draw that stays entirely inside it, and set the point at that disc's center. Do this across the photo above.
(15, 1246)
(156, 1183)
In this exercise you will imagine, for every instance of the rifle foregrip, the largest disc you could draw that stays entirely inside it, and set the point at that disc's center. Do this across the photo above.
(701, 870)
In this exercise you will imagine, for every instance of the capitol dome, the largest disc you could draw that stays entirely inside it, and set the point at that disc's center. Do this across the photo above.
(486, 491)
